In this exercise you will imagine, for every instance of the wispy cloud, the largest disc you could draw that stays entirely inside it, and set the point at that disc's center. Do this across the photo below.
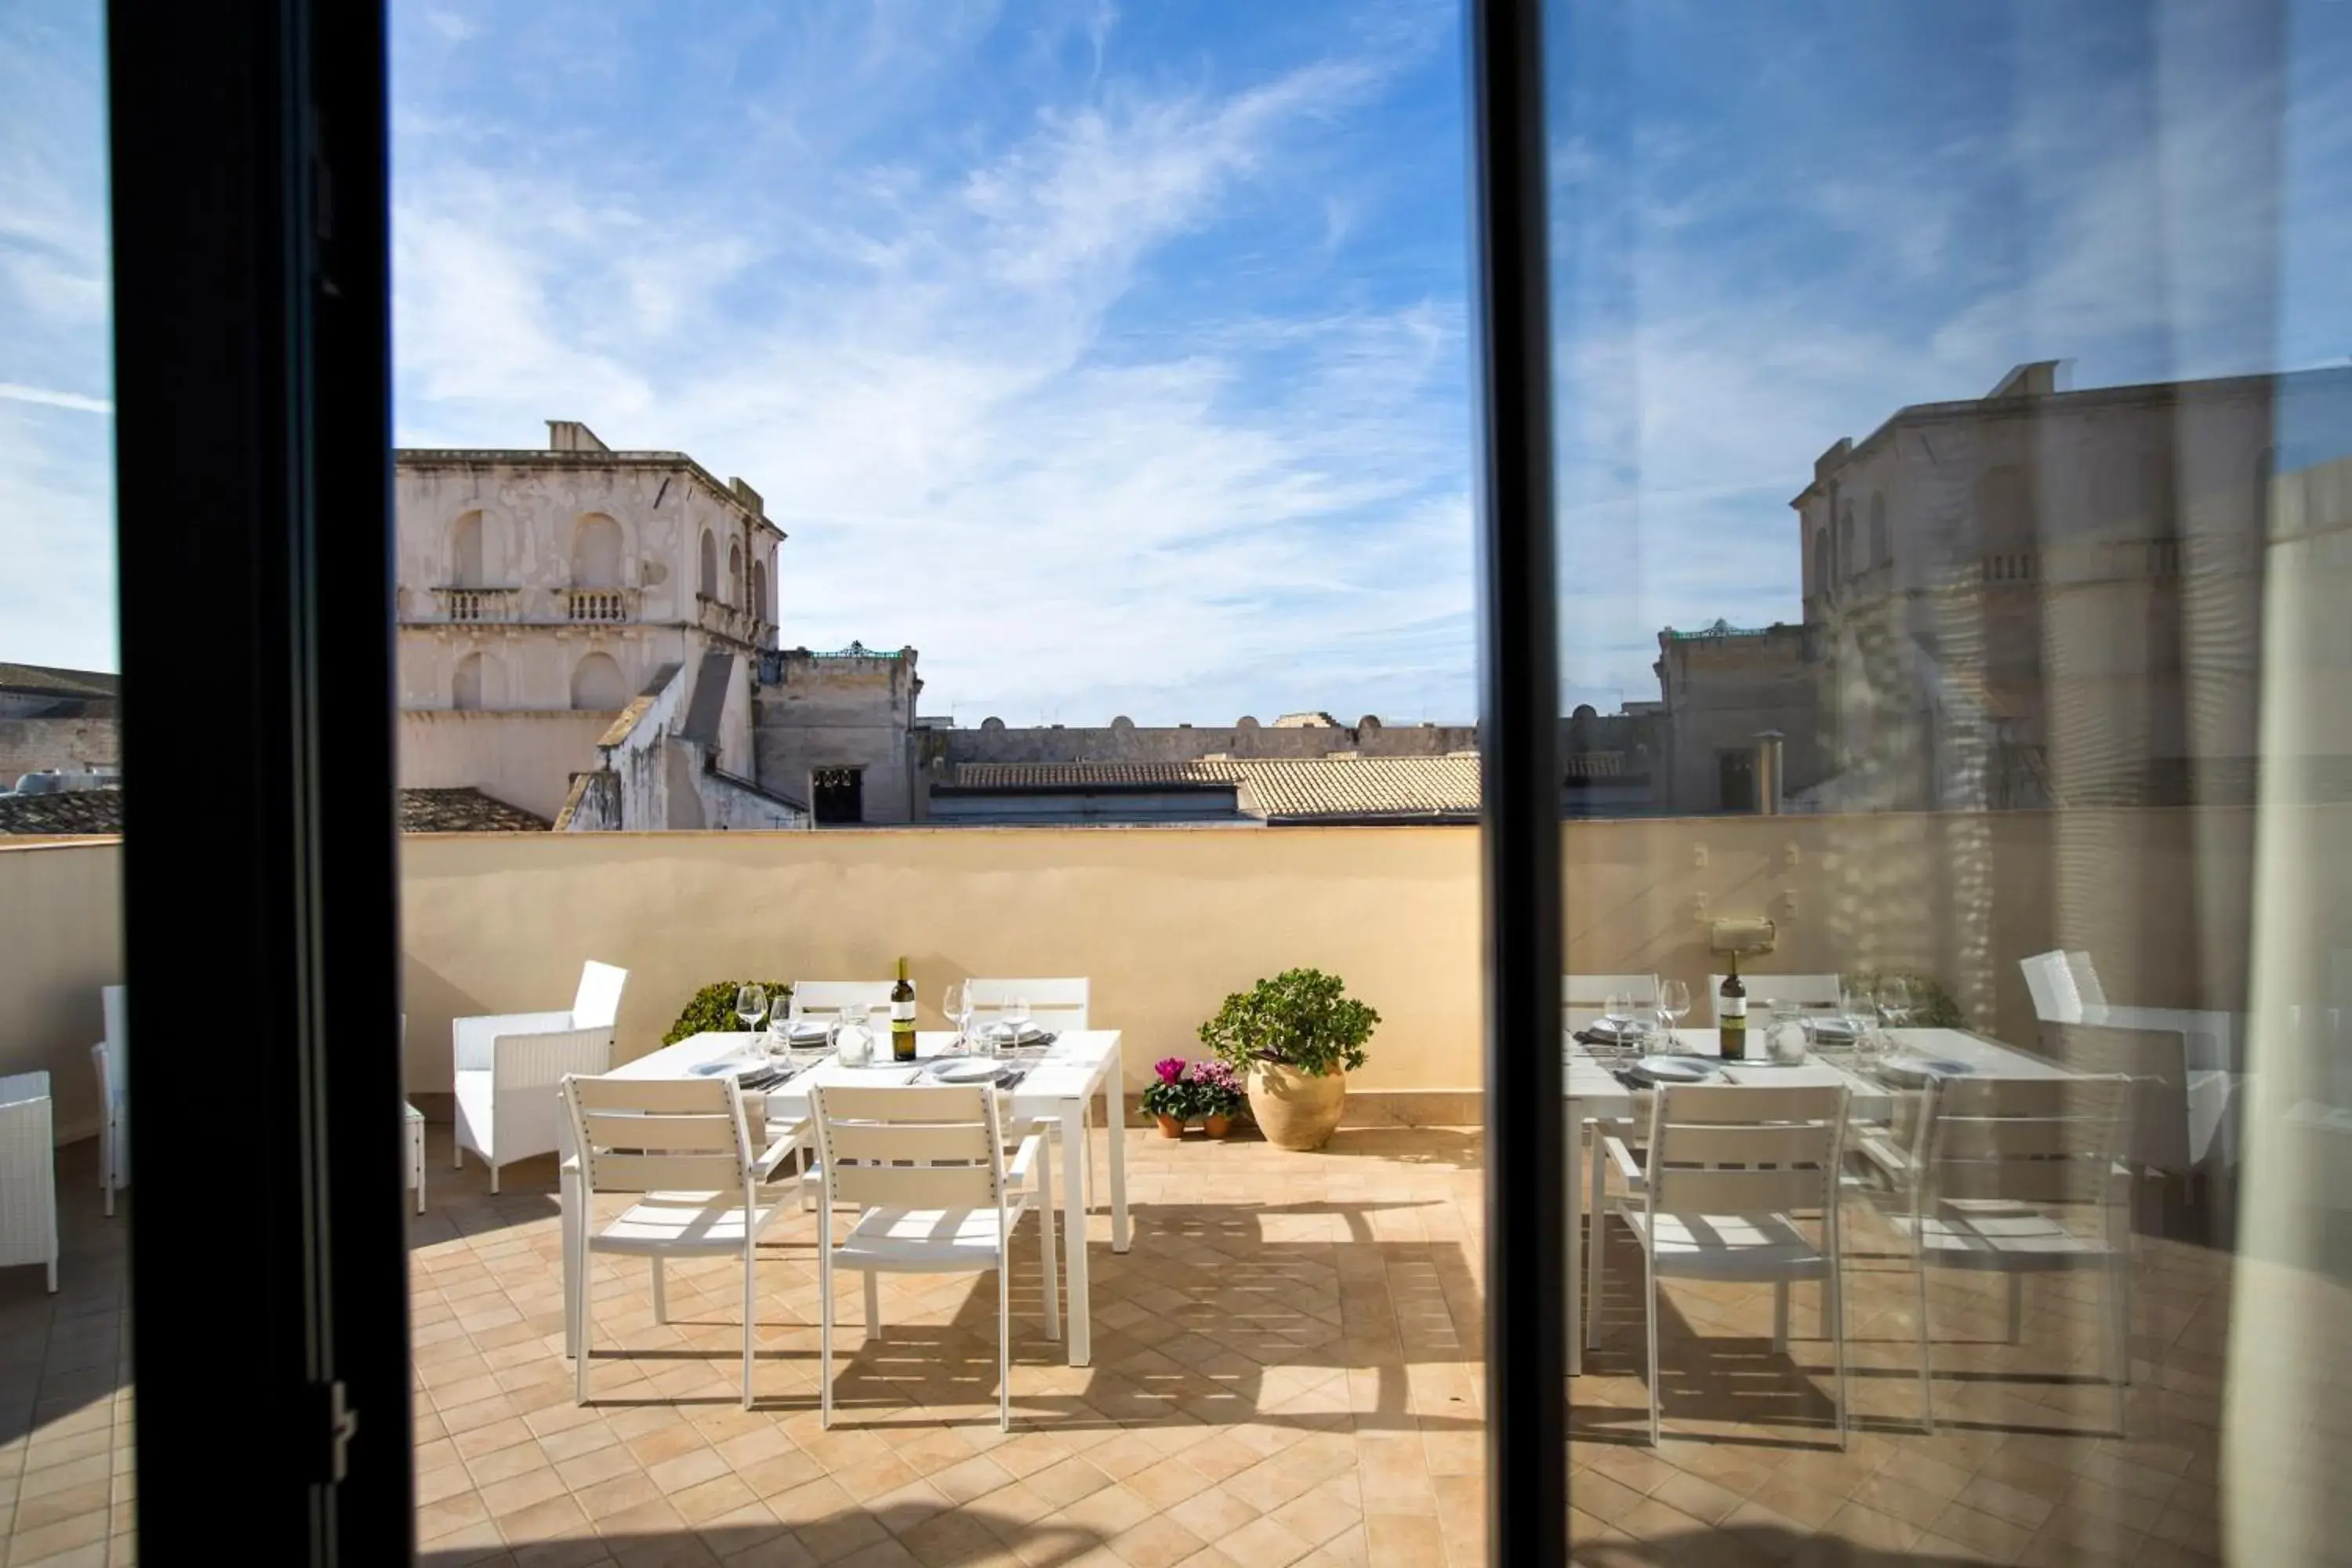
(47, 398)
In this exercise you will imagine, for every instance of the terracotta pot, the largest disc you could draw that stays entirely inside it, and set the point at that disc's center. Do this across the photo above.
(1216, 1126)
(1169, 1127)
(1295, 1109)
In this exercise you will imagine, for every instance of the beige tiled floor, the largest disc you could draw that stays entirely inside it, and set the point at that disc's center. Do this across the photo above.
(1287, 1369)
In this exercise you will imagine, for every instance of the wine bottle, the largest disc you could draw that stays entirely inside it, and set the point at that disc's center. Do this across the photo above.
(1731, 1014)
(902, 1017)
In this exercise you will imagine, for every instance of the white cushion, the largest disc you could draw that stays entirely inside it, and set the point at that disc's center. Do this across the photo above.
(1991, 1234)
(474, 1093)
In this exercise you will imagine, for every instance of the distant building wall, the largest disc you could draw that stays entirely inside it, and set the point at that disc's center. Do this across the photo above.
(1721, 689)
(523, 759)
(855, 710)
(68, 745)
(1121, 741)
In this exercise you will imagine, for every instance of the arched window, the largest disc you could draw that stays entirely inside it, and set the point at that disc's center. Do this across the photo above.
(734, 571)
(1820, 561)
(706, 579)
(478, 684)
(759, 610)
(596, 684)
(1848, 562)
(596, 550)
(466, 552)
(1882, 548)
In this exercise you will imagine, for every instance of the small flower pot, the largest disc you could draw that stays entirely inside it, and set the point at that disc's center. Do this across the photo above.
(1169, 1127)
(1216, 1126)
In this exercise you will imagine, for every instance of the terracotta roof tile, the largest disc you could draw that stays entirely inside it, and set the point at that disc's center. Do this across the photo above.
(1345, 787)
(77, 811)
(99, 811)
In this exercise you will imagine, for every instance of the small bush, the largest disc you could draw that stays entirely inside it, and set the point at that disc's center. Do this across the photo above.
(712, 1009)
(1932, 1006)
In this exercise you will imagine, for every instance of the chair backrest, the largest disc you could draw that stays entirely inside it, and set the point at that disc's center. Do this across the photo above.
(651, 1134)
(2051, 983)
(597, 1003)
(915, 1146)
(115, 1001)
(1745, 1149)
(1806, 990)
(1053, 1004)
(825, 998)
(2025, 1139)
(1584, 997)
(2157, 1062)
(2085, 977)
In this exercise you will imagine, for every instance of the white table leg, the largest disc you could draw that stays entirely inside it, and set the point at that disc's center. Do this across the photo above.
(567, 1184)
(1573, 1249)
(1114, 1130)
(1073, 1231)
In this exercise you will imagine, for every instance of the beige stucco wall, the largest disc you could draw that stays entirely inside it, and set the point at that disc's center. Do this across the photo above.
(60, 940)
(1165, 920)
(523, 759)
(69, 745)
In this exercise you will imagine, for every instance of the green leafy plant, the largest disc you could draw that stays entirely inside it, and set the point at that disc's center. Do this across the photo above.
(1302, 1018)
(712, 1009)
(1932, 1006)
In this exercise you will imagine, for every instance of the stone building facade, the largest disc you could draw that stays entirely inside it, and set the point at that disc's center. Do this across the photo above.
(541, 595)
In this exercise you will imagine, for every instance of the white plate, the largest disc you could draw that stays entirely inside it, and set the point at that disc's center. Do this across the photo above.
(1674, 1069)
(1924, 1067)
(726, 1065)
(1029, 1035)
(806, 1032)
(971, 1069)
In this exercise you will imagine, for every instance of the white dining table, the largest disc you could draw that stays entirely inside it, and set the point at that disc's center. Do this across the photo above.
(1059, 1090)
(1595, 1093)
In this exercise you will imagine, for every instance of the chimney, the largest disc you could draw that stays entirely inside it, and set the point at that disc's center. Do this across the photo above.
(1768, 773)
(570, 436)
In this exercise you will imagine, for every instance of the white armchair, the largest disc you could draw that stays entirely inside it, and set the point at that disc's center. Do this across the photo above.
(510, 1068)
(111, 1058)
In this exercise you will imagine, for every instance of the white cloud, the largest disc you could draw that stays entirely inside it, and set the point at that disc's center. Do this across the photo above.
(48, 398)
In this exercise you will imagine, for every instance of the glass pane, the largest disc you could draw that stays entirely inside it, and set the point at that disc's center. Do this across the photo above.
(65, 1205)
(1953, 450)
(1089, 631)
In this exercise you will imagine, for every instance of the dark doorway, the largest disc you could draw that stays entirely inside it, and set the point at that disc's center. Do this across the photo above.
(838, 796)
(1736, 775)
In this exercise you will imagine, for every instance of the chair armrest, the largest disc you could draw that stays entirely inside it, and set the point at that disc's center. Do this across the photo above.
(471, 1039)
(1022, 1166)
(541, 1058)
(786, 1144)
(1883, 1155)
(1629, 1169)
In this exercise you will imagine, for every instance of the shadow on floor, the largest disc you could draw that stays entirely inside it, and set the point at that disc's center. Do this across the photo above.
(1750, 1544)
(60, 1353)
(938, 1536)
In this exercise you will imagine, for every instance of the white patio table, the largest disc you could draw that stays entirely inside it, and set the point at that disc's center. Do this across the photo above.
(1593, 1093)
(1080, 1063)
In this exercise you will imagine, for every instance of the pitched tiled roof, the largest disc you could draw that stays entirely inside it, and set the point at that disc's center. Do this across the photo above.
(464, 811)
(97, 811)
(1341, 788)
(51, 681)
(74, 811)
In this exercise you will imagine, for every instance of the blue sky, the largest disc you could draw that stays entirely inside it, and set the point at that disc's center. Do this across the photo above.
(1116, 356)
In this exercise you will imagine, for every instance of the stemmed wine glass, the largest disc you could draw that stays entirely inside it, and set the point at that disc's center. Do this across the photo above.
(955, 1002)
(1894, 1001)
(1016, 1021)
(1674, 1006)
(751, 1006)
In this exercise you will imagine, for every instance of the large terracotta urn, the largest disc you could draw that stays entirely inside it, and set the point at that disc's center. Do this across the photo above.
(1295, 1109)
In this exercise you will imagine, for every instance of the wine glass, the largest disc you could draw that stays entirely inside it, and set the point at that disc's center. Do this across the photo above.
(1016, 1020)
(1674, 1006)
(1894, 1001)
(1617, 1021)
(751, 1006)
(955, 1002)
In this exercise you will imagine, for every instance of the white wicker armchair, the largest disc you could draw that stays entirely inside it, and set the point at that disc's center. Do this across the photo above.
(28, 1193)
(510, 1068)
(111, 1058)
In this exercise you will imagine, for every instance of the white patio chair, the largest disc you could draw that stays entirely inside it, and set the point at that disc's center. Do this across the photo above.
(926, 1166)
(508, 1065)
(1729, 1165)
(1059, 1005)
(1804, 990)
(2066, 989)
(1988, 1183)
(689, 1148)
(28, 1179)
(2188, 1129)
(823, 1000)
(112, 1059)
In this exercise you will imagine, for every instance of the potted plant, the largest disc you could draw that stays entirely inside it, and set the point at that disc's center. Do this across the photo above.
(1297, 1035)
(712, 1010)
(1218, 1093)
(1170, 1097)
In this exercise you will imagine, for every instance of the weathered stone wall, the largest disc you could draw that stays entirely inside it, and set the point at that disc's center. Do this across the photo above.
(831, 711)
(68, 745)
(523, 759)
(1122, 742)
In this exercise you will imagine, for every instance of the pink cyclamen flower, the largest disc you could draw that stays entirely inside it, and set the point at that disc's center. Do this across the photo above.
(1169, 1068)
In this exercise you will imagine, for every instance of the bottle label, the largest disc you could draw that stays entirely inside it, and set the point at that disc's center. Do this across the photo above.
(1734, 1006)
(902, 1012)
